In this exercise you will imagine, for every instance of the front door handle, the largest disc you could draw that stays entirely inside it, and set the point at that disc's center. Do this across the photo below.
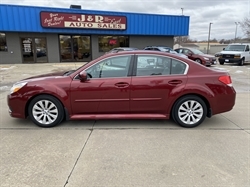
(121, 85)
(174, 82)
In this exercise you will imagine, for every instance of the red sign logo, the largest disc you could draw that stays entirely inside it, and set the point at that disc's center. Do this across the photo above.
(82, 21)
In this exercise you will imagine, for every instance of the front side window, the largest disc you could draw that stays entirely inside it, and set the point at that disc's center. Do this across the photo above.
(247, 48)
(3, 43)
(149, 65)
(111, 67)
(106, 43)
(186, 51)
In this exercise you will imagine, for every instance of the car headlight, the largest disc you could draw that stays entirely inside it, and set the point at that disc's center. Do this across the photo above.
(206, 58)
(237, 55)
(17, 86)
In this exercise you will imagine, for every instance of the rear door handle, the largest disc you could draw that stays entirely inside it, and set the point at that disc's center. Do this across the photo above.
(174, 82)
(121, 85)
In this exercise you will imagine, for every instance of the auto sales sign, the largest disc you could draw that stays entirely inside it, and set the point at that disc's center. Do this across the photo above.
(82, 21)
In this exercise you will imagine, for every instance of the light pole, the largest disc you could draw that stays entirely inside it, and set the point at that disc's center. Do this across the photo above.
(236, 24)
(182, 9)
(208, 40)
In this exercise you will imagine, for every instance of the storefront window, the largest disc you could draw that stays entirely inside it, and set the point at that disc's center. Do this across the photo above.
(75, 48)
(3, 44)
(106, 43)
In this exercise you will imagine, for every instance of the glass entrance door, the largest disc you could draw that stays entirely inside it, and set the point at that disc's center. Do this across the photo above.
(75, 48)
(41, 50)
(27, 50)
(34, 50)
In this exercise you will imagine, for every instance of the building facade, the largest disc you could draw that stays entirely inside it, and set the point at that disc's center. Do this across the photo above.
(41, 34)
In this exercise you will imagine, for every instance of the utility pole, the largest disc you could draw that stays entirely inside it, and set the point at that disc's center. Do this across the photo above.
(182, 9)
(208, 40)
(236, 24)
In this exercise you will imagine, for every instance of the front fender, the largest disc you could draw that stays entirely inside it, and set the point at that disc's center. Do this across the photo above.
(58, 92)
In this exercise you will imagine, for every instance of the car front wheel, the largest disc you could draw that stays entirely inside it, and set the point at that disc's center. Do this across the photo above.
(189, 111)
(198, 60)
(46, 111)
(241, 62)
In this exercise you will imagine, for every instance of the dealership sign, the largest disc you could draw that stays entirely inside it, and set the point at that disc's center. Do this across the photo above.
(82, 21)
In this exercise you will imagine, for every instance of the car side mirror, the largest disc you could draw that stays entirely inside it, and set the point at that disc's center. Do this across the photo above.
(83, 76)
(223, 49)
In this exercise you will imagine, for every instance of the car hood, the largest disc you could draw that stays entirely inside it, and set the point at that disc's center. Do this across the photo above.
(231, 52)
(206, 55)
(45, 76)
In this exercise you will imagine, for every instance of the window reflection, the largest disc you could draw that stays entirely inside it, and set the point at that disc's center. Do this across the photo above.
(106, 43)
(75, 48)
(3, 44)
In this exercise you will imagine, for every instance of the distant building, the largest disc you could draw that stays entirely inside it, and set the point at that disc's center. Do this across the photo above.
(30, 34)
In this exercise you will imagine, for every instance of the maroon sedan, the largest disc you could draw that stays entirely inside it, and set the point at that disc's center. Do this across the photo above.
(127, 85)
(198, 56)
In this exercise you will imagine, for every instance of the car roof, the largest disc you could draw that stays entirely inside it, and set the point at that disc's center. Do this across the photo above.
(159, 46)
(125, 48)
(146, 52)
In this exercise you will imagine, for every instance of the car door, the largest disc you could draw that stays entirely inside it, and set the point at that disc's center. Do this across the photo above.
(155, 80)
(106, 90)
(189, 54)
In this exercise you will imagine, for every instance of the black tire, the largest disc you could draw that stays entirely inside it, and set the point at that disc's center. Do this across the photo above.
(241, 62)
(46, 111)
(221, 63)
(196, 112)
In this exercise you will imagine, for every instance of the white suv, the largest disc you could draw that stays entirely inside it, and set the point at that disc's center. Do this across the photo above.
(235, 53)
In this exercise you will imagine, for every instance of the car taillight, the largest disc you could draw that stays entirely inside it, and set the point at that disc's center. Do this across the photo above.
(226, 80)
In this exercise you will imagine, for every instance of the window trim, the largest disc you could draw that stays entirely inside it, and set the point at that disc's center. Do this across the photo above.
(172, 58)
(129, 69)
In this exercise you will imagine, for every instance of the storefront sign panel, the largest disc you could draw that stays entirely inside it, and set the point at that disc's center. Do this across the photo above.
(82, 21)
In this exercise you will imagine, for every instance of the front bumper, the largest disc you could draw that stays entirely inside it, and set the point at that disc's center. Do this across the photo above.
(229, 60)
(16, 106)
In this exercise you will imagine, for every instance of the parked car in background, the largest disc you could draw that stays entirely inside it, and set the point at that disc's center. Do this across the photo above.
(198, 56)
(121, 86)
(119, 49)
(235, 53)
(164, 49)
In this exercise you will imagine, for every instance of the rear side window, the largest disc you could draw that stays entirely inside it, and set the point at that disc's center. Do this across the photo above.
(152, 65)
(178, 67)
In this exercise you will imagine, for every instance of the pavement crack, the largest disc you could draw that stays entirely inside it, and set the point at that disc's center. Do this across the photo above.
(234, 123)
(80, 154)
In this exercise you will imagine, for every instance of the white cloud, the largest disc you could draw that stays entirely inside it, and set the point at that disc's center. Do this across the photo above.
(222, 13)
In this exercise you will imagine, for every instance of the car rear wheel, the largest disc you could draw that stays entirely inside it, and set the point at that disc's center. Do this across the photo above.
(46, 111)
(189, 111)
(198, 60)
(221, 63)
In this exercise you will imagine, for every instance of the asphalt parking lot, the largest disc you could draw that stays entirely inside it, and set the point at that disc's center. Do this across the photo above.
(125, 152)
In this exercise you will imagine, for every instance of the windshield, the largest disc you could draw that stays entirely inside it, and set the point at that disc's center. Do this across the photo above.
(235, 48)
(67, 73)
(197, 52)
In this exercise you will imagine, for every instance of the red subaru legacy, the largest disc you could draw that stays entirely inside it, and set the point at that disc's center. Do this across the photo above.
(127, 85)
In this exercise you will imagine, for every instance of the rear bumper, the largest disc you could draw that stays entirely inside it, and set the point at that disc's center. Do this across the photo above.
(224, 102)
